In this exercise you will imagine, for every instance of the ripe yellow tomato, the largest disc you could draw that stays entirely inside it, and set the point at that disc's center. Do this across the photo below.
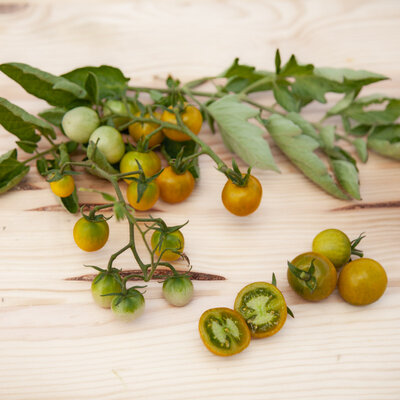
(150, 162)
(174, 187)
(148, 199)
(63, 187)
(140, 129)
(90, 235)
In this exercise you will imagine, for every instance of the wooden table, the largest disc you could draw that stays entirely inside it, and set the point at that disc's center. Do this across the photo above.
(56, 344)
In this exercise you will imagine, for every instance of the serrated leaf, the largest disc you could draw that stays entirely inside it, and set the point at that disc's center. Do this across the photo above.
(244, 138)
(56, 90)
(11, 171)
(285, 98)
(22, 124)
(385, 140)
(293, 68)
(380, 117)
(299, 148)
(119, 211)
(311, 87)
(361, 148)
(347, 176)
(112, 82)
(349, 76)
(342, 104)
(92, 88)
(375, 98)
(53, 115)
(327, 134)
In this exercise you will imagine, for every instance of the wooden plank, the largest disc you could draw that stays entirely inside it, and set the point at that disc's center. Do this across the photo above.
(56, 344)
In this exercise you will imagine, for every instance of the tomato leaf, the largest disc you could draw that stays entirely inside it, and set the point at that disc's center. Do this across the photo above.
(299, 148)
(347, 175)
(285, 98)
(361, 148)
(244, 138)
(23, 125)
(11, 171)
(53, 115)
(327, 135)
(111, 81)
(92, 88)
(342, 104)
(278, 62)
(56, 90)
(94, 154)
(385, 140)
(376, 117)
(71, 203)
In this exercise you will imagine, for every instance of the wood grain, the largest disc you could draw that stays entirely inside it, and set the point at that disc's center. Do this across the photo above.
(56, 344)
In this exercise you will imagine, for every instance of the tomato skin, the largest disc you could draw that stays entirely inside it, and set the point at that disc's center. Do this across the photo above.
(140, 129)
(149, 197)
(149, 161)
(269, 305)
(90, 235)
(242, 200)
(178, 290)
(128, 307)
(173, 240)
(362, 282)
(110, 143)
(79, 123)
(333, 244)
(191, 117)
(175, 188)
(105, 283)
(63, 187)
(325, 274)
(224, 331)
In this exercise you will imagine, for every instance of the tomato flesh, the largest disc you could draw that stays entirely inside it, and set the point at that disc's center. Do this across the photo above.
(263, 307)
(224, 331)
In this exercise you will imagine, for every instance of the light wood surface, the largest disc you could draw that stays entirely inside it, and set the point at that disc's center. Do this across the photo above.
(56, 344)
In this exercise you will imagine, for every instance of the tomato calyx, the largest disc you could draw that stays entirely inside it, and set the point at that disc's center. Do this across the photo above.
(180, 164)
(354, 243)
(236, 176)
(273, 281)
(92, 216)
(307, 276)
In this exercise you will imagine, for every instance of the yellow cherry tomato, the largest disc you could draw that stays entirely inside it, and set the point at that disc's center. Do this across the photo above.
(90, 235)
(63, 187)
(150, 162)
(148, 199)
(191, 117)
(140, 129)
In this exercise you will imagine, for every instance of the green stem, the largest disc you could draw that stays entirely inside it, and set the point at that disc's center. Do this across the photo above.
(38, 155)
(115, 255)
(97, 208)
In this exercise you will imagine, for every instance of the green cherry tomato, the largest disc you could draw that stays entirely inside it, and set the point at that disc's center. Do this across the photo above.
(110, 143)
(103, 284)
(90, 235)
(178, 290)
(64, 187)
(333, 244)
(317, 278)
(173, 241)
(79, 123)
(128, 306)
(263, 307)
(224, 331)
(148, 199)
(362, 281)
(149, 161)
(242, 200)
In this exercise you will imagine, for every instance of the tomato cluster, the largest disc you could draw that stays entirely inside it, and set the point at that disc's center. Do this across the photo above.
(259, 311)
(313, 275)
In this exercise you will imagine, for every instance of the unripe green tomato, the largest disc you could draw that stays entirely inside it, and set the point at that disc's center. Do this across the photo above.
(103, 284)
(79, 123)
(118, 107)
(334, 245)
(128, 307)
(110, 143)
(178, 290)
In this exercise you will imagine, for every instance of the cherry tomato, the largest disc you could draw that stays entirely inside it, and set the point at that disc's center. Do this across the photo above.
(333, 244)
(148, 199)
(140, 129)
(110, 143)
(119, 110)
(362, 281)
(128, 306)
(149, 161)
(63, 187)
(173, 240)
(178, 290)
(191, 117)
(90, 235)
(242, 200)
(79, 123)
(318, 276)
(103, 284)
(174, 187)
(263, 307)
(224, 331)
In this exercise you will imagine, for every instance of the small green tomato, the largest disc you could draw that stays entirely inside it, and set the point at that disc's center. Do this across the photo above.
(128, 306)
(178, 290)
(79, 123)
(104, 284)
(109, 142)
